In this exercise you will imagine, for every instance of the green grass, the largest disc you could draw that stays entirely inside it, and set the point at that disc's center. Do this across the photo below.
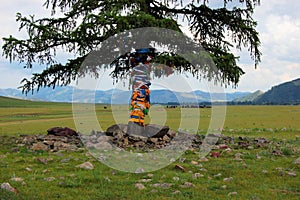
(259, 175)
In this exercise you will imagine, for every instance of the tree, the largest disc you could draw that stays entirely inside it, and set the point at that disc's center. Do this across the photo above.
(85, 24)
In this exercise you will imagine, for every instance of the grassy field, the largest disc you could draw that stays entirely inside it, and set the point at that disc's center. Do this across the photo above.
(258, 174)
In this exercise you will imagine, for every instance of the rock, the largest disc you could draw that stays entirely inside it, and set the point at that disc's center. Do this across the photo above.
(297, 161)
(104, 138)
(176, 192)
(228, 179)
(232, 193)
(103, 146)
(17, 179)
(139, 186)
(137, 138)
(187, 185)
(261, 140)
(250, 147)
(153, 140)
(8, 187)
(113, 172)
(162, 185)
(28, 169)
(39, 146)
(224, 187)
(49, 179)
(135, 129)
(145, 180)
(215, 154)
(86, 165)
(194, 162)
(244, 165)
(292, 174)
(280, 173)
(171, 133)
(117, 130)
(157, 131)
(217, 135)
(179, 167)
(197, 175)
(203, 159)
(277, 153)
(166, 138)
(284, 129)
(107, 179)
(223, 146)
(14, 149)
(41, 160)
(139, 144)
(59, 145)
(59, 131)
(237, 157)
(203, 170)
(139, 170)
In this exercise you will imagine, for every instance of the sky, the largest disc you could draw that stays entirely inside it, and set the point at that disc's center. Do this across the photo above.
(278, 27)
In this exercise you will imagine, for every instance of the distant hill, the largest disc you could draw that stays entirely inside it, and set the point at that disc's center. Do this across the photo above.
(115, 96)
(250, 97)
(15, 102)
(285, 93)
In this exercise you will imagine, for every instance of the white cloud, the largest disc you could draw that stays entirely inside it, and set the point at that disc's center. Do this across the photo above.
(279, 29)
(280, 38)
(11, 75)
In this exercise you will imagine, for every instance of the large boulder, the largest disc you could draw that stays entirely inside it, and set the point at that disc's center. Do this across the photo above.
(156, 131)
(60, 131)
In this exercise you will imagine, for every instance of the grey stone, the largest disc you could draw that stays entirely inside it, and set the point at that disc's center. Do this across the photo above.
(139, 170)
(49, 179)
(157, 131)
(187, 185)
(17, 179)
(86, 165)
(103, 146)
(8, 187)
(117, 129)
(139, 186)
(39, 146)
(297, 161)
(137, 138)
(135, 129)
(162, 185)
(104, 138)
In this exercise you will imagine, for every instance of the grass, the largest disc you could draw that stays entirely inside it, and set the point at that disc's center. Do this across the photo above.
(260, 174)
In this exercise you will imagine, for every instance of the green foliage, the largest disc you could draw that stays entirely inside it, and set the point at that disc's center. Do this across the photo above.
(84, 25)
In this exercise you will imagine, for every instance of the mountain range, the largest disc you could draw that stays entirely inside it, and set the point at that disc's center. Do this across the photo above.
(285, 93)
(115, 96)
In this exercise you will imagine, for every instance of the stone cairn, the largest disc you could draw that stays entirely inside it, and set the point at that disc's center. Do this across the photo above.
(152, 137)
(126, 136)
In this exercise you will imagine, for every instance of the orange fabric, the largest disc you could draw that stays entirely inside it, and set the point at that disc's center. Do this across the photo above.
(139, 102)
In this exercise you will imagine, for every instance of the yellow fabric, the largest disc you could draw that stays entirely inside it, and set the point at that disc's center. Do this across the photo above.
(139, 102)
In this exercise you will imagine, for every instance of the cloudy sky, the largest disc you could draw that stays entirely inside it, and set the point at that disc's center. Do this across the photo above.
(278, 25)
